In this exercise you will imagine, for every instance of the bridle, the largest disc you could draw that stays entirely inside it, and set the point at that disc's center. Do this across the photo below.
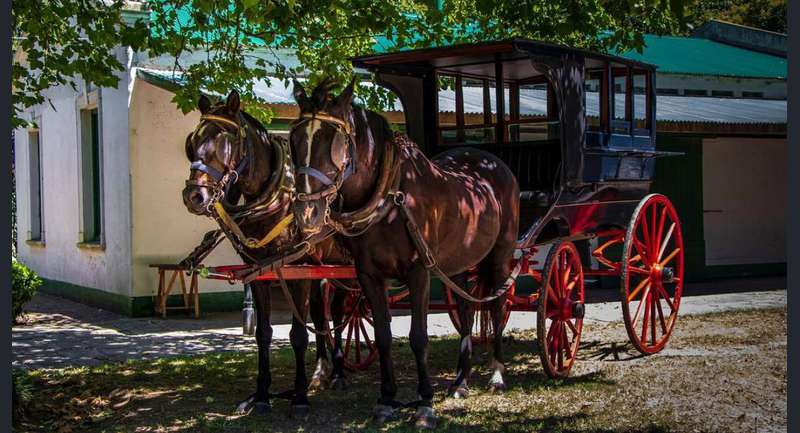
(276, 194)
(332, 186)
(222, 181)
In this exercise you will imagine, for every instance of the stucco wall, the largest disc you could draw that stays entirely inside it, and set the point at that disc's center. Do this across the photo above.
(163, 230)
(60, 258)
(744, 194)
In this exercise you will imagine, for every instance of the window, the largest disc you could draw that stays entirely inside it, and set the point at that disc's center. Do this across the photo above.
(91, 176)
(667, 91)
(722, 93)
(35, 169)
(746, 94)
(695, 92)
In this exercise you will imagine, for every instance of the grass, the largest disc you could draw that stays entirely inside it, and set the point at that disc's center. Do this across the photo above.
(199, 393)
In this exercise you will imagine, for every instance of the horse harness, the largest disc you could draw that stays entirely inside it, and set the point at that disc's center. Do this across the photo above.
(386, 196)
(230, 217)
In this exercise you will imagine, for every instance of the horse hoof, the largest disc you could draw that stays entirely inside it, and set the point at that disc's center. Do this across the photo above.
(460, 392)
(300, 411)
(261, 408)
(251, 403)
(319, 384)
(425, 418)
(339, 384)
(381, 414)
(497, 387)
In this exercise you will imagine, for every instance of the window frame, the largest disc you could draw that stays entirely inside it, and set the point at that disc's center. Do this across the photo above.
(37, 130)
(86, 103)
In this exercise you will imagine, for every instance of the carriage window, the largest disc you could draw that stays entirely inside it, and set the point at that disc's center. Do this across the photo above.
(592, 95)
(35, 167)
(465, 111)
(91, 171)
(619, 124)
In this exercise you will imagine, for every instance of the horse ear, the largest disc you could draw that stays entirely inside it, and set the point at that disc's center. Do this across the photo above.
(204, 104)
(233, 102)
(346, 97)
(299, 92)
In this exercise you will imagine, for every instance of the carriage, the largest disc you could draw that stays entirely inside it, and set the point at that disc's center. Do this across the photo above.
(577, 128)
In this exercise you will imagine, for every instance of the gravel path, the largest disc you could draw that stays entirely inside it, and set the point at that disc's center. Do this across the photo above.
(61, 333)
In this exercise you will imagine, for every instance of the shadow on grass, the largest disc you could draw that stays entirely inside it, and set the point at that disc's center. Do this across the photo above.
(199, 394)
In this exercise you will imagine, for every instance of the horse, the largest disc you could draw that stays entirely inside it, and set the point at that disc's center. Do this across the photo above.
(240, 170)
(401, 216)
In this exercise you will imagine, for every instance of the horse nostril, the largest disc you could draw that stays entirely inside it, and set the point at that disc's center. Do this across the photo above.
(196, 198)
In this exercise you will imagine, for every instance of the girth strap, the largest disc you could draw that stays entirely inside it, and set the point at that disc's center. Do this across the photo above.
(429, 261)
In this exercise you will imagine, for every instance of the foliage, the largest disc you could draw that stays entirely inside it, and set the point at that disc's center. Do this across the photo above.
(763, 14)
(247, 40)
(24, 283)
(21, 392)
(60, 42)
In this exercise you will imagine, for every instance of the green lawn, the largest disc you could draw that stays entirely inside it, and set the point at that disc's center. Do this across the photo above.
(199, 394)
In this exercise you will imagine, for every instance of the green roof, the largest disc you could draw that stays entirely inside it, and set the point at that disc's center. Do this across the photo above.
(696, 56)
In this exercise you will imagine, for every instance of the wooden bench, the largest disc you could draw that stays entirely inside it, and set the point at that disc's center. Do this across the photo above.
(191, 297)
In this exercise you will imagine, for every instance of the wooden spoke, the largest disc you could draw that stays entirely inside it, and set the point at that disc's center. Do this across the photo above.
(635, 292)
(572, 327)
(551, 294)
(661, 315)
(660, 231)
(639, 271)
(639, 308)
(670, 257)
(652, 317)
(666, 297)
(358, 343)
(565, 346)
(666, 241)
(645, 301)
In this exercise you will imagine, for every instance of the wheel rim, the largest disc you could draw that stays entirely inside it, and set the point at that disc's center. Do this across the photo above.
(652, 278)
(482, 330)
(358, 346)
(559, 324)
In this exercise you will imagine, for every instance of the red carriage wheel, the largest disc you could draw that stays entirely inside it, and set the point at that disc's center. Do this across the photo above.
(359, 346)
(482, 329)
(652, 275)
(560, 312)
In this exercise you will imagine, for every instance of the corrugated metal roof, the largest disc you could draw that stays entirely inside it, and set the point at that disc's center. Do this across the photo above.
(533, 102)
(698, 56)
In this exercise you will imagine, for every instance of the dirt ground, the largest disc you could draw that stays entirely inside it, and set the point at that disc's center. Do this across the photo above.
(720, 372)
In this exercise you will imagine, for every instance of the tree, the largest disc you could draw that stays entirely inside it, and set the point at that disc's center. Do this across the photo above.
(246, 40)
(325, 33)
(59, 42)
(763, 14)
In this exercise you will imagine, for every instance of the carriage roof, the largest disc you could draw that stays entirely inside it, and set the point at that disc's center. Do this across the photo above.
(472, 59)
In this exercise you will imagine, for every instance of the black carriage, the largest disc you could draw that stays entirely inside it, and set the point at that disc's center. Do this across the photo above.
(578, 128)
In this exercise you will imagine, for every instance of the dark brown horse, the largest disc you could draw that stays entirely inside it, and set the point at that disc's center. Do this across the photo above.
(465, 204)
(237, 163)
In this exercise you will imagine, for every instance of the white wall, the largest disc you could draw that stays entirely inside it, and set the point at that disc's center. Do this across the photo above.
(60, 258)
(744, 195)
(163, 230)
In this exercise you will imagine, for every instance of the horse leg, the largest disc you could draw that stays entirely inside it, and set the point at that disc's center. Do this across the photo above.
(298, 336)
(418, 280)
(373, 289)
(338, 379)
(259, 401)
(321, 377)
(496, 277)
(459, 388)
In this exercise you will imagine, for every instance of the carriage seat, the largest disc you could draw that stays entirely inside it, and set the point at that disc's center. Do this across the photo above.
(536, 198)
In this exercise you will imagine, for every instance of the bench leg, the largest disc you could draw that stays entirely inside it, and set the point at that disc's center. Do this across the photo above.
(160, 304)
(196, 295)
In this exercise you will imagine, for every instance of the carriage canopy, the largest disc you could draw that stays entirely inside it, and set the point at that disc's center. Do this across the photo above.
(561, 117)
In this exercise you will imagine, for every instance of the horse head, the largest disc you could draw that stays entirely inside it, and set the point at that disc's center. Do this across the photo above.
(324, 152)
(225, 149)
